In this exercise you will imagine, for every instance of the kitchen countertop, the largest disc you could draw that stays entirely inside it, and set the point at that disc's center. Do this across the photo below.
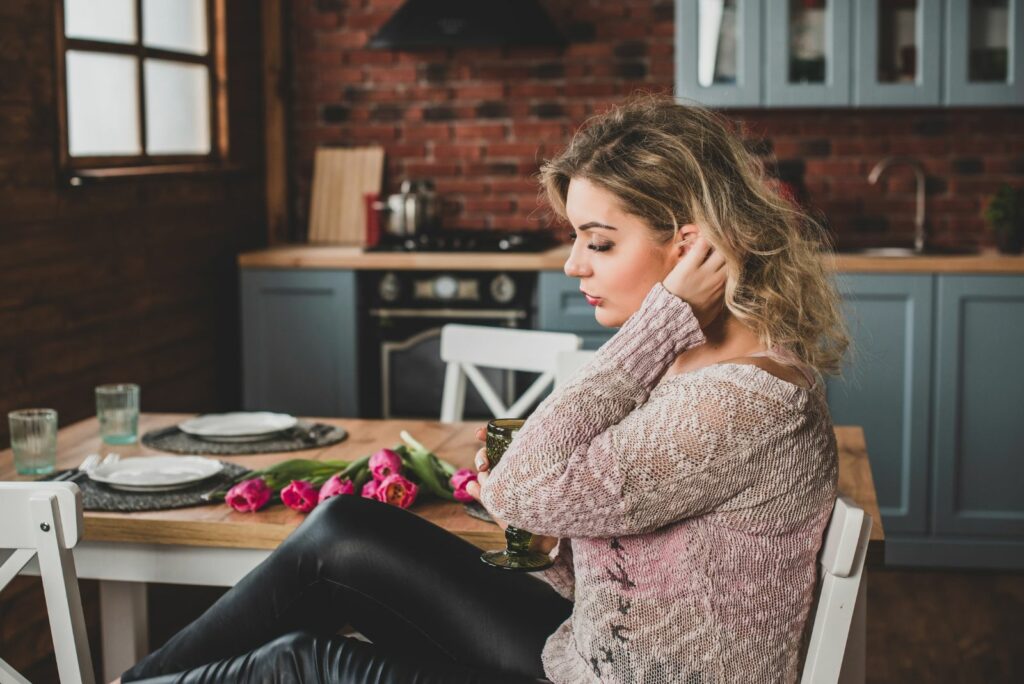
(341, 257)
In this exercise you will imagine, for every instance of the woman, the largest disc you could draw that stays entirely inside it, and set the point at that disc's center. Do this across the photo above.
(682, 481)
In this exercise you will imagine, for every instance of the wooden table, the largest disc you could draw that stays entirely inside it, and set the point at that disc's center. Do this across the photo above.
(214, 545)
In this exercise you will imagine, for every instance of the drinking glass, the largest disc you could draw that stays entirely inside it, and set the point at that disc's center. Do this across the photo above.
(34, 440)
(117, 408)
(517, 554)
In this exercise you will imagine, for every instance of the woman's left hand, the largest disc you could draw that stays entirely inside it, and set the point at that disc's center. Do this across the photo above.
(539, 542)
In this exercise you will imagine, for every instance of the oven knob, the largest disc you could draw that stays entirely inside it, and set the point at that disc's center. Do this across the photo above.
(389, 287)
(503, 289)
(445, 287)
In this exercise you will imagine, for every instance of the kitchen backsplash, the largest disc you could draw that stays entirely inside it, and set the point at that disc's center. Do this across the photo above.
(479, 121)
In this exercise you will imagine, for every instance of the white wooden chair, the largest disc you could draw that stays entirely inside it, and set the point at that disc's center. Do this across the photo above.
(568, 362)
(44, 519)
(836, 653)
(464, 347)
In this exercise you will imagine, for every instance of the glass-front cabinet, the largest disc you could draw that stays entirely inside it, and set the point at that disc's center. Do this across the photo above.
(897, 55)
(807, 53)
(718, 56)
(984, 57)
(837, 53)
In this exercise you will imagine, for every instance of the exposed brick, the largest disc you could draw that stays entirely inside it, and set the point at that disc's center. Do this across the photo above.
(548, 71)
(480, 91)
(335, 114)
(463, 151)
(630, 49)
(438, 113)
(631, 70)
(474, 131)
(482, 119)
(387, 113)
(422, 132)
(967, 165)
(815, 148)
(492, 110)
(580, 32)
(434, 73)
(547, 110)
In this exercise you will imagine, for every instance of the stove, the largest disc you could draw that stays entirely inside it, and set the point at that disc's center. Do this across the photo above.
(469, 241)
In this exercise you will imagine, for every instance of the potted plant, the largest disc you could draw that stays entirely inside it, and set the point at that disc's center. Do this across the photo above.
(1005, 216)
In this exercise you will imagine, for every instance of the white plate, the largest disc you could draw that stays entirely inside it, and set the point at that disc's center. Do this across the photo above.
(156, 473)
(246, 426)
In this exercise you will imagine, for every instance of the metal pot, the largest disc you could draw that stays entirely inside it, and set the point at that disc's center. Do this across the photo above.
(413, 211)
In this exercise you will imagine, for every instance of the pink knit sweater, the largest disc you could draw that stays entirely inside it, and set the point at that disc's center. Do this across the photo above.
(689, 512)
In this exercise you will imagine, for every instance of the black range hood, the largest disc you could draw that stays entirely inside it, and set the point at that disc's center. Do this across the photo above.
(422, 24)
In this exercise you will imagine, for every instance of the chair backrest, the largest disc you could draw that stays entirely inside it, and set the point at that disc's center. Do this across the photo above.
(464, 347)
(44, 520)
(568, 362)
(842, 564)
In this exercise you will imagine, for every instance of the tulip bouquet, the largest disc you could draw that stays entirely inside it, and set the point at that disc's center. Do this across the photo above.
(394, 476)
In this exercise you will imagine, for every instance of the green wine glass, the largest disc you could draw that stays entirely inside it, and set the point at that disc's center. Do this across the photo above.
(517, 554)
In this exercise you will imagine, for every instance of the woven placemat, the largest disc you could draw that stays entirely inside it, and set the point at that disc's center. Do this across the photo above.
(100, 497)
(302, 436)
(475, 510)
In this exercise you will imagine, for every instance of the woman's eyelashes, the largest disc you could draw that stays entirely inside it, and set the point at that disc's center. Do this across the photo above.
(596, 246)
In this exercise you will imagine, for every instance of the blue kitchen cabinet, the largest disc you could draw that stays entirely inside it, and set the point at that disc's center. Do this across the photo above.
(561, 308)
(978, 431)
(299, 341)
(718, 52)
(984, 55)
(885, 388)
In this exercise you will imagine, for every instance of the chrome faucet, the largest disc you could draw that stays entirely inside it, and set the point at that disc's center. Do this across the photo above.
(877, 172)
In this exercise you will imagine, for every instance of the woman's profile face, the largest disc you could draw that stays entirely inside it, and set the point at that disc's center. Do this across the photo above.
(615, 255)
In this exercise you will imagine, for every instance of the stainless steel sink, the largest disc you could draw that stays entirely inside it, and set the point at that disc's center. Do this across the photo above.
(900, 252)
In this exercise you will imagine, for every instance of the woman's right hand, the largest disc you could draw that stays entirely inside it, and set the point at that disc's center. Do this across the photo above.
(699, 280)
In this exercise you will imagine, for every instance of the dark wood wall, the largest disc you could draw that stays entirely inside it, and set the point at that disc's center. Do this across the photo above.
(129, 280)
(126, 279)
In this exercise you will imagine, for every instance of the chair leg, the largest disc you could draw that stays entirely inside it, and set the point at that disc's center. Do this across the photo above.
(60, 587)
(124, 623)
(854, 667)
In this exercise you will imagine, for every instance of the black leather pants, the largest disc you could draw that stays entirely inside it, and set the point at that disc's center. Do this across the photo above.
(434, 612)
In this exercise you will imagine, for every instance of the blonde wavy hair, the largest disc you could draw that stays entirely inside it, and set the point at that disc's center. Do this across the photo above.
(672, 164)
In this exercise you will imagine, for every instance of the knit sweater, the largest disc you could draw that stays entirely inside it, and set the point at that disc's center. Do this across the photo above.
(689, 510)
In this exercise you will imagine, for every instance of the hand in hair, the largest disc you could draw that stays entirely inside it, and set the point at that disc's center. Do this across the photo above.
(699, 280)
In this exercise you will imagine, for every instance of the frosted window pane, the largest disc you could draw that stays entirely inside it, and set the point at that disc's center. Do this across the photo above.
(808, 40)
(717, 40)
(107, 20)
(103, 117)
(177, 108)
(175, 25)
(897, 41)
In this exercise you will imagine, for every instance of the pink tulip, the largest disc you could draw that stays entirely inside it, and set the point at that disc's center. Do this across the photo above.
(334, 487)
(248, 496)
(384, 463)
(396, 490)
(300, 495)
(369, 490)
(459, 480)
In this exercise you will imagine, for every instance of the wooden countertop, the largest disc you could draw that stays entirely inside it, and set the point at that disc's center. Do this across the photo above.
(219, 526)
(339, 257)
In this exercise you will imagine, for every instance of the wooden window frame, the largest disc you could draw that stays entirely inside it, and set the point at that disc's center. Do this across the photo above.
(79, 169)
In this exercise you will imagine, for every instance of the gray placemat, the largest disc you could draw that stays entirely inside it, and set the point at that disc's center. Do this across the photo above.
(475, 510)
(100, 497)
(303, 436)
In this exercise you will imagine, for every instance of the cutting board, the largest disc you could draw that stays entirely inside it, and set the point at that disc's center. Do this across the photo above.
(341, 179)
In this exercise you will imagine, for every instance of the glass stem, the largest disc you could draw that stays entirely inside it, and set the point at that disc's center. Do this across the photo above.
(517, 540)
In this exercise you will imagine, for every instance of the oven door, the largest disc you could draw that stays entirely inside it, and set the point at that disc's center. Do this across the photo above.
(411, 370)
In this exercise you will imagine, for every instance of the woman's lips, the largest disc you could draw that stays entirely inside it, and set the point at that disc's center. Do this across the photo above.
(592, 301)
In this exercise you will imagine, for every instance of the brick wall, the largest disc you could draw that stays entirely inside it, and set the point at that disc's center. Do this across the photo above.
(478, 121)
